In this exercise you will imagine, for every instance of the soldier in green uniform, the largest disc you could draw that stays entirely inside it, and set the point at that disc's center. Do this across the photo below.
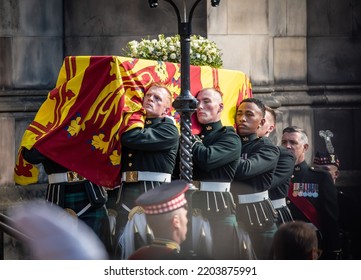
(148, 154)
(77, 195)
(215, 151)
(282, 175)
(253, 177)
(312, 196)
(165, 208)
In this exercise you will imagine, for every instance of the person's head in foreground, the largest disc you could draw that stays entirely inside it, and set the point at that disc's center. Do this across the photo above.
(166, 210)
(295, 241)
(54, 234)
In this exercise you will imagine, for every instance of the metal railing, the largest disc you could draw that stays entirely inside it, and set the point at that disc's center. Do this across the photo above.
(6, 227)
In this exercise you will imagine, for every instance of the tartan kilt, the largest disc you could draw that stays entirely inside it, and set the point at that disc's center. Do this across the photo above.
(95, 218)
(258, 216)
(284, 215)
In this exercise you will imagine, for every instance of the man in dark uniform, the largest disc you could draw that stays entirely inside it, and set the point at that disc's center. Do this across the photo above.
(254, 176)
(348, 204)
(165, 208)
(148, 154)
(312, 196)
(215, 152)
(282, 174)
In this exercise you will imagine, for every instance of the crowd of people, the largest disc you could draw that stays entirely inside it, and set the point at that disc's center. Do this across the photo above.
(249, 198)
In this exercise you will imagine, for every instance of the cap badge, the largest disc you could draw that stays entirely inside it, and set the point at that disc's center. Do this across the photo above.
(326, 135)
(333, 159)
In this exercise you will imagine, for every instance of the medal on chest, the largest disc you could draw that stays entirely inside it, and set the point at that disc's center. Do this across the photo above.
(305, 190)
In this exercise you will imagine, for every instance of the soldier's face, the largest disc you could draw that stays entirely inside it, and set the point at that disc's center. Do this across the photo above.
(249, 118)
(156, 102)
(209, 106)
(292, 141)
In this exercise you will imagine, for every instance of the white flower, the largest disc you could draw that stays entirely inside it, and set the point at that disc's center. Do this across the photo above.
(133, 43)
(202, 51)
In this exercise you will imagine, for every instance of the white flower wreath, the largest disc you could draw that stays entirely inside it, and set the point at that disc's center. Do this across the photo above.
(203, 52)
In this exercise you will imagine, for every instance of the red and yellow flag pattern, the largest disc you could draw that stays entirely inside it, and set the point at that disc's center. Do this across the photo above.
(97, 98)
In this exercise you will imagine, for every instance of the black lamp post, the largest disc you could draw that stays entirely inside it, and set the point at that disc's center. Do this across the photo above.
(185, 103)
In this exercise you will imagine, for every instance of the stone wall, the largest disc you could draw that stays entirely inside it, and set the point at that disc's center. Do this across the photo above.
(303, 58)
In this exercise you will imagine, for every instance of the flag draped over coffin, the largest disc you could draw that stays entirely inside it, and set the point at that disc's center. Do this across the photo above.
(97, 98)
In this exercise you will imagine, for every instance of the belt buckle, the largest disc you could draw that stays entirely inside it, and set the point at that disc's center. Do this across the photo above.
(74, 177)
(131, 176)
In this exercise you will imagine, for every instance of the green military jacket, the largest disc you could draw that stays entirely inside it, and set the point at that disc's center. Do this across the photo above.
(256, 167)
(216, 157)
(282, 174)
(153, 148)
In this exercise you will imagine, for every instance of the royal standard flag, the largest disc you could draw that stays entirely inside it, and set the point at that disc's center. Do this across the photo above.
(97, 98)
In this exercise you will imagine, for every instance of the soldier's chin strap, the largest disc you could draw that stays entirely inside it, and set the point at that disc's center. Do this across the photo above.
(305, 206)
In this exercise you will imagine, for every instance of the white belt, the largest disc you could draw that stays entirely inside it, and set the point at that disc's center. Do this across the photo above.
(279, 203)
(214, 186)
(252, 197)
(135, 176)
(66, 177)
